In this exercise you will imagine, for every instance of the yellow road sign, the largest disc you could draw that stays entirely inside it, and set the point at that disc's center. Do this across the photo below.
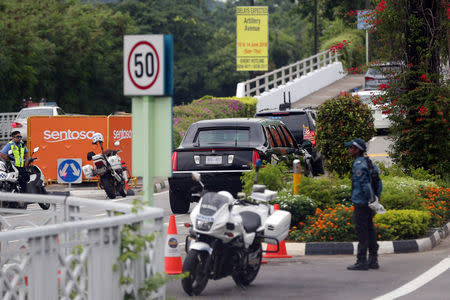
(252, 38)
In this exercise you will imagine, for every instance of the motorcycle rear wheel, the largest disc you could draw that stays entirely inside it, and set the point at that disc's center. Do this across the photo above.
(245, 277)
(194, 263)
(108, 186)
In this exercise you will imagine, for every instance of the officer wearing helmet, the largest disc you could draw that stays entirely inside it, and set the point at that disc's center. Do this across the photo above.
(16, 151)
(362, 195)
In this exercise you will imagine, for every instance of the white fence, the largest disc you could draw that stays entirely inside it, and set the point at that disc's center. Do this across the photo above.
(5, 125)
(70, 253)
(270, 80)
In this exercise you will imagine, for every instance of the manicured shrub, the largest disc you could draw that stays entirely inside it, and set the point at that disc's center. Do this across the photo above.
(326, 191)
(405, 224)
(437, 202)
(273, 176)
(300, 206)
(402, 192)
(339, 120)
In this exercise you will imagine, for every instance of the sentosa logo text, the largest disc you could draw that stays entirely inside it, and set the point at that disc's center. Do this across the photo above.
(122, 134)
(66, 135)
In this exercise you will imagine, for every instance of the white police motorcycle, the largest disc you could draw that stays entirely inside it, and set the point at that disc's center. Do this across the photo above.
(109, 167)
(226, 236)
(9, 181)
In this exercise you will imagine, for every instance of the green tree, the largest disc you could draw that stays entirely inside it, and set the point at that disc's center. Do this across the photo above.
(340, 120)
(419, 96)
(66, 51)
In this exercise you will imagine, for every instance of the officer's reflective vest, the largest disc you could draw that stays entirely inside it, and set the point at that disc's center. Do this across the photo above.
(19, 153)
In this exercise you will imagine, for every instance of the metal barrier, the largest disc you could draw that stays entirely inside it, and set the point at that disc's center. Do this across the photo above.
(273, 79)
(5, 125)
(69, 253)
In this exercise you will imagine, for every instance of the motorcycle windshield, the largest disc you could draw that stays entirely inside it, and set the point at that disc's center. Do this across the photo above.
(211, 203)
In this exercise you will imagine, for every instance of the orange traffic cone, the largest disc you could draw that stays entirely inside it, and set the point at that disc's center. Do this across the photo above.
(282, 253)
(173, 257)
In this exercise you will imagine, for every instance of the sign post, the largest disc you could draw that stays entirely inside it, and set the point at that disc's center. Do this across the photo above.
(148, 77)
(364, 22)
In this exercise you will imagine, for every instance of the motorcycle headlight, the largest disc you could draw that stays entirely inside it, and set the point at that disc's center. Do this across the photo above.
(203, 225)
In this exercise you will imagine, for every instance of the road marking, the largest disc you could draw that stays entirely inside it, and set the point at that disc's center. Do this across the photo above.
(421, 280)
(377, 154)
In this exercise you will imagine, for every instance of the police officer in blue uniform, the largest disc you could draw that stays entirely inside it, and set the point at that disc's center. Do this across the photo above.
(363, 215)
(19, 157)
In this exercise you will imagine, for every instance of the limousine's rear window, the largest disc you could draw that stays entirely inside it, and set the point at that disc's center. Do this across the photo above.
(222, 136)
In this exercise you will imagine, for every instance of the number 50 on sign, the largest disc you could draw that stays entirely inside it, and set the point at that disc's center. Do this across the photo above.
(145, 65)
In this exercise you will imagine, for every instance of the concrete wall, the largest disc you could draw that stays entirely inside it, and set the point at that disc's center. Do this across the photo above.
(301, 87)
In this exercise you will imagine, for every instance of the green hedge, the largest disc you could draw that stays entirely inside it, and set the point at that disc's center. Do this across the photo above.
(402, 192)
(273, 176)
(326, 191)
(405, 224)
(300, 206)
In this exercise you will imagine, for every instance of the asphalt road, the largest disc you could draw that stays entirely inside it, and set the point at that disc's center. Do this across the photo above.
(423, 275)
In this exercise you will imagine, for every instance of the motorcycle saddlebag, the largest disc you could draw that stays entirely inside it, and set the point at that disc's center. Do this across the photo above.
(88, 171)
(277, 226)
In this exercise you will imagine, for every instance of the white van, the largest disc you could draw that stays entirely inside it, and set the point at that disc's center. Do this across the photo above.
(381, 120)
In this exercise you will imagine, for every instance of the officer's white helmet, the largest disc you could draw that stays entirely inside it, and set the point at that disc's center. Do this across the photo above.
(97, 137)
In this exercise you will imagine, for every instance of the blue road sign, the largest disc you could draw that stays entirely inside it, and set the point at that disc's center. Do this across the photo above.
(69, 170)
(364, 18)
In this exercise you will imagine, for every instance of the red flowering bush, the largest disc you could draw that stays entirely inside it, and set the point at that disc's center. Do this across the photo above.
(331, 224)
(437, 202)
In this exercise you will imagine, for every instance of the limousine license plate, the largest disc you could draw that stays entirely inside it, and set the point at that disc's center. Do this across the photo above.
(213, 160)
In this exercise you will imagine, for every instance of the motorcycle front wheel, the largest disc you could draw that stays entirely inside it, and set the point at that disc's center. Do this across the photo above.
(197, 279)
(44, 206)
(108, 186)
(246, 276)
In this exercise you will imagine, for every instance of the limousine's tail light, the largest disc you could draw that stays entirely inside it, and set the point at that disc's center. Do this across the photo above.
(367, 78)
(174, 161)
(16, 125)
(313, 135)
(255, 157)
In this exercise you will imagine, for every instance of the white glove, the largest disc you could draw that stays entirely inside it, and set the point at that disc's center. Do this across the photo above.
(377, 207)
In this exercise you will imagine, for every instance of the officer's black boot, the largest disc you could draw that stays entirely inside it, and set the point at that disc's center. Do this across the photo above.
(373, 262)
(360, 265)
(373, 257)
(361, 260)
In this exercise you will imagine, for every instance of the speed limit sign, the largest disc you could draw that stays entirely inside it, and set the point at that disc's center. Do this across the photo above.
(144, 65)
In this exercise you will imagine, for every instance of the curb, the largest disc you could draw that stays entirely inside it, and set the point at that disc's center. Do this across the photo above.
(158, 187)
(386, 247)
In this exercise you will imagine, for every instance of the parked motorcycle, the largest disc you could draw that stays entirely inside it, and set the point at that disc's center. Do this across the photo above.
(36, 183)
(226, 234)
(9, 177)
(9, 181)
(109, 167)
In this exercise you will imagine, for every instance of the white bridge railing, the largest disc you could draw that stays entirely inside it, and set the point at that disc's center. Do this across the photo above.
(260, 84)
(69, 251)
